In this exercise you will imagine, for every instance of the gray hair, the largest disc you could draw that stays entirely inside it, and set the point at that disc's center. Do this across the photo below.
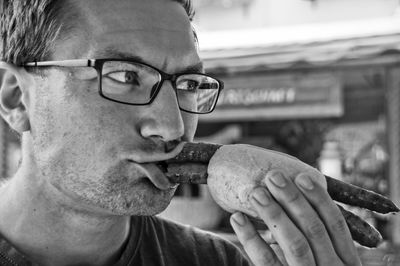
(29, 28)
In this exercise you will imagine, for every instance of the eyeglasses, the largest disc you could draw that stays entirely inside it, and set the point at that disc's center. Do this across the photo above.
(135, 83)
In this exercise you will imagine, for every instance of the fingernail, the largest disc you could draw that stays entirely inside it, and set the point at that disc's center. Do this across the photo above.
(278, 179)
(304, 181)
(239, 218)
(261, 197)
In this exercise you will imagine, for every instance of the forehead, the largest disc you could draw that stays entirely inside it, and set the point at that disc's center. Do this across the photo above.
(158, 31)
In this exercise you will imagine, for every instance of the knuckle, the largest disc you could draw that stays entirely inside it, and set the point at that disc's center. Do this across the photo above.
(339, 226)
(293, 197)
(275, 213)
(299, 248)
(325, 200)
(316, 229)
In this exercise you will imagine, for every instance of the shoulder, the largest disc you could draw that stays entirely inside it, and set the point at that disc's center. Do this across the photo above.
(194, 243)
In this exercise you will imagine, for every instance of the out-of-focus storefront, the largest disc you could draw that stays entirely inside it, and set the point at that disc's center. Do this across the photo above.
(326, 93)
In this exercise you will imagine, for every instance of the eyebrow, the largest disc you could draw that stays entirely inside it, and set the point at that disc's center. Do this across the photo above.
(113, 53)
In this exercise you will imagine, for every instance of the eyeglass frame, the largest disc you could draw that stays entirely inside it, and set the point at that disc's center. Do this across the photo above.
(97, 64)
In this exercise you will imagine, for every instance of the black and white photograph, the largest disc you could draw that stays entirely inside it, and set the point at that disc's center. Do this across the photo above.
(200, 133)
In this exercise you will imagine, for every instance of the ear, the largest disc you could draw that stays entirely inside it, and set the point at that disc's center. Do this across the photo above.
(14, 96)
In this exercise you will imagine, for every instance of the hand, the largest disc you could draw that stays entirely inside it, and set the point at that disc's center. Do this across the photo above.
(306, 224)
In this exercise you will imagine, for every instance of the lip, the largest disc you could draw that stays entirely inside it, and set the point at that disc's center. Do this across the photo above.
(154, 173)
(154, 156)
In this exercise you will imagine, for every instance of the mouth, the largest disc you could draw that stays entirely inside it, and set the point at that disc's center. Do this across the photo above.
(155, 172)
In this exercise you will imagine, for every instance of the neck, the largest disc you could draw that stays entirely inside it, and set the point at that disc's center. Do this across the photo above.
(47, 227)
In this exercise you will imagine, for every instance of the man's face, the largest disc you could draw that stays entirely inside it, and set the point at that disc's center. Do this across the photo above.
(97, 152)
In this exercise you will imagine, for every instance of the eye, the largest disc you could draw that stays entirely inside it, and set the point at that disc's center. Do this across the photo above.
(126, 77)
(188, 85)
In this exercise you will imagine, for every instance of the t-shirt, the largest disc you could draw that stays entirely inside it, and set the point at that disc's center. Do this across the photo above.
(159, 243)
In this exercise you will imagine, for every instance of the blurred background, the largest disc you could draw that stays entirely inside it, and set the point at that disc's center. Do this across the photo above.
(317, 79)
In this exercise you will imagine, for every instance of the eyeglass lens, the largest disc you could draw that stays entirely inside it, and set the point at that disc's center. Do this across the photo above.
(136, 83)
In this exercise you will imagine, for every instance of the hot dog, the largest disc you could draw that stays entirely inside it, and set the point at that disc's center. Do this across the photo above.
(233, 171)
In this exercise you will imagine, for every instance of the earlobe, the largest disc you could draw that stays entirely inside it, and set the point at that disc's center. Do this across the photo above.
(12, 92)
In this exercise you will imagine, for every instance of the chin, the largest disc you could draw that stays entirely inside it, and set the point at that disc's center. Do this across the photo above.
(142, 209)
(140, 203)
(120, 191)
(149, 210)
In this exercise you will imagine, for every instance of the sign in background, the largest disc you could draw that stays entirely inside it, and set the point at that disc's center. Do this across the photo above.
(263, 97)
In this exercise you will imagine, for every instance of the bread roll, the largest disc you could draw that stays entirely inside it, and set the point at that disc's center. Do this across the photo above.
(235, 170)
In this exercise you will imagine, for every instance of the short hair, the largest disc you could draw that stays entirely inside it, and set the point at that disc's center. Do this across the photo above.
(29, 28)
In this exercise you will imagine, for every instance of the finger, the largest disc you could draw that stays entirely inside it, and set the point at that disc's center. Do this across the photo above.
(332, 218)
(256, 248)
(304, 216)
(294, 245)
(279, 253)
(268, 237)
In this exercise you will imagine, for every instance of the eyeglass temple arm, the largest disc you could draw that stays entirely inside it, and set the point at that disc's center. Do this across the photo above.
(62, 63)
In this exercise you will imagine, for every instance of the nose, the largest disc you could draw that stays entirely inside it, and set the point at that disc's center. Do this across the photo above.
(164, 120)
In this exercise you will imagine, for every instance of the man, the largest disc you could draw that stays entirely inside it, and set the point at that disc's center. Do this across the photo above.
(85, 83)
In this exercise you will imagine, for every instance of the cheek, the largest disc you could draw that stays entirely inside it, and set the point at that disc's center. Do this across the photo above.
(43, 113)
(87, 114)
(70, 116)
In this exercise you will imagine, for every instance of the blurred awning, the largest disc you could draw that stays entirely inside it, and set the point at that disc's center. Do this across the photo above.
(314, 45)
